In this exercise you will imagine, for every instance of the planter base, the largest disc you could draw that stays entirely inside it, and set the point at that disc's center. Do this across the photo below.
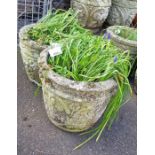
(60, 126)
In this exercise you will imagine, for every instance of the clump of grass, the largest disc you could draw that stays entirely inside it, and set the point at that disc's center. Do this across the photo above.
(130, 34)
(90, 58)
(54, 24)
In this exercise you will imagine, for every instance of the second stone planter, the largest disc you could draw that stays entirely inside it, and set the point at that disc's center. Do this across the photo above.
(91, 13)
(30, 51)
(73, 106)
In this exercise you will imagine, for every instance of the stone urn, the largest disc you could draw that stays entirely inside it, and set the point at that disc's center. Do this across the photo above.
(116, 35)
(122, 12)
(71, 105)
(30, 51)
(91, 13)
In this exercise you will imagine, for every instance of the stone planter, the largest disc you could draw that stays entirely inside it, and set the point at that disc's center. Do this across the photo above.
(122, 12)
(91, 13)
(30, 51)
(73, 106)
(121, 42)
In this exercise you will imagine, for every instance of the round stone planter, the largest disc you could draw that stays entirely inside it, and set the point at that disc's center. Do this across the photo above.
(73, 106)
(91, 13)
(30, 51)
(122, 12)
(121, 42)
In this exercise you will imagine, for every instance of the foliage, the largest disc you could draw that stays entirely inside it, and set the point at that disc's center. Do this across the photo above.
(53, 25)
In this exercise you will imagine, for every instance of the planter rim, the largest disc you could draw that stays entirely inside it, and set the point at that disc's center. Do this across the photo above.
(71, 84)
(120, 39)
(108, 4)
(24, 36)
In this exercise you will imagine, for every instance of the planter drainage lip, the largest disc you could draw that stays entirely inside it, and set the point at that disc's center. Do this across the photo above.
(118, 38)
(102, 3)
(23, 35)
(107, 85)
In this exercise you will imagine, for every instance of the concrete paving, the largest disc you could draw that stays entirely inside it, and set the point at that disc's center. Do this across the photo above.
(38, 136)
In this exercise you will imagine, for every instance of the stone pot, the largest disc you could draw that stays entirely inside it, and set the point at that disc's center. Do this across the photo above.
(121, 42)
(122, 12)
(30, 51)
(91, 13)
(73, 106)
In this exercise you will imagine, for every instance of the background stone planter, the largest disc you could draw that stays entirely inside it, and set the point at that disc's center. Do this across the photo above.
(122, 12)
(30, 51)
(91, 13)
(121, 42)
(70, 105)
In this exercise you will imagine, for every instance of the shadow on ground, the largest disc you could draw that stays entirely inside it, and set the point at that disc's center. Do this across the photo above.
(37, 136)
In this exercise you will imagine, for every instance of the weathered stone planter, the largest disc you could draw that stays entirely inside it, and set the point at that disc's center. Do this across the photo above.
(30, 51)
(91, 13)
(122, 12)
(121, 42)
(73, 106)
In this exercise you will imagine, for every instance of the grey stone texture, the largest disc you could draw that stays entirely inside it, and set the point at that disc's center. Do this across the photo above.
(122, 12)
(71, 105)
(91, 13)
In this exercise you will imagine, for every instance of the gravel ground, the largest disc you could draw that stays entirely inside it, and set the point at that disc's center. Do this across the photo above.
(38, 136)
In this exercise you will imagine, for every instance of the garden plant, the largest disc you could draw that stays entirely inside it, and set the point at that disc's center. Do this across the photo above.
(82, 57)
(55, 26)
(88, 58)
(36, 37)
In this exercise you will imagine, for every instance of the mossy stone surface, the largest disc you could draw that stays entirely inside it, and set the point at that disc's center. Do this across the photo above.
(30, 51)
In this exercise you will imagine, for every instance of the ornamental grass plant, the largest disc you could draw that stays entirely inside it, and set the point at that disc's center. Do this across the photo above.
(55, 26)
